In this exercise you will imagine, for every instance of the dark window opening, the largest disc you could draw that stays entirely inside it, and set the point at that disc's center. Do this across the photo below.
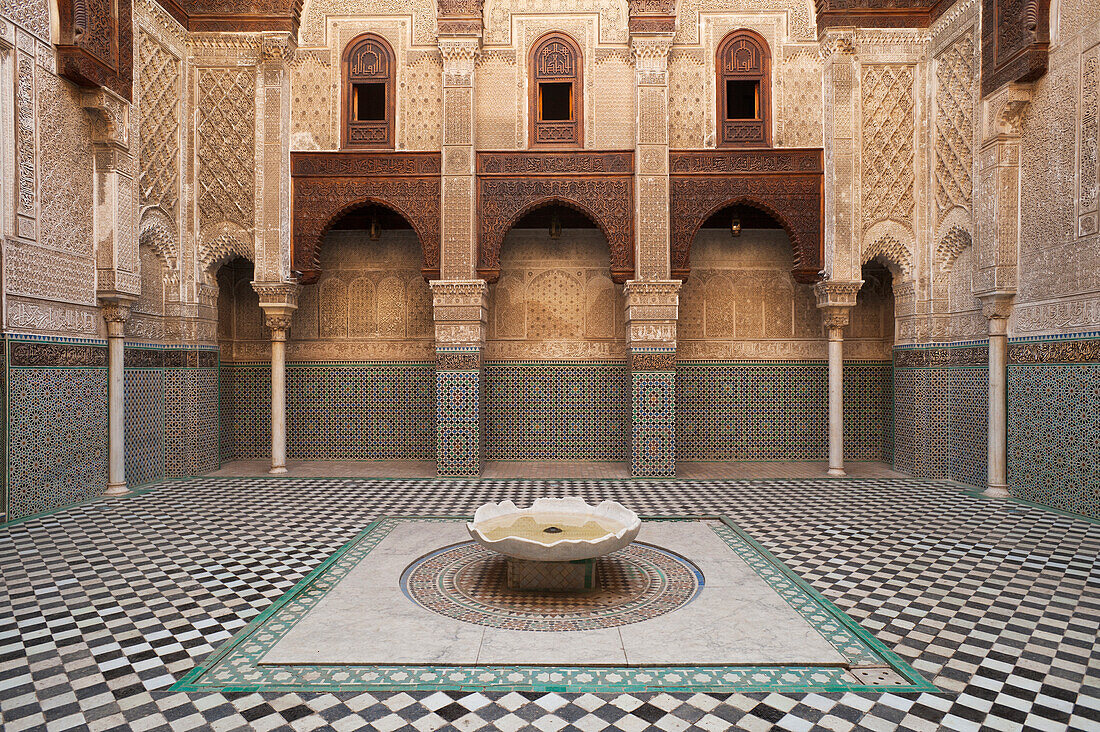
(555, 101)
(370, 102)
(742, 99)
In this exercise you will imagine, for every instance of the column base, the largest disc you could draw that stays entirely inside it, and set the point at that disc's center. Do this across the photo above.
(116, 489)
(277, 470)
(837, 472)
(996, 491)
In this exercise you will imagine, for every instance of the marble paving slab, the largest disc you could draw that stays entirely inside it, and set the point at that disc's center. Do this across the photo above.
(737, 618)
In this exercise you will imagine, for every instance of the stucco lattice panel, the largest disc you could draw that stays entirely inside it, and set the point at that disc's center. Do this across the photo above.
(47, 274)
(1053, 457)
(498, 15)
(613, 105)
(422, 101)
(688, 99)
(313, 85)
(159, 98)
(34, 15)
(24, 130)
(548, 411)
(956, 78)
(317, 12)
(888, 128)
(496, 105)
(57, 437)
(151, 299)
(226, 146)
(65, 169)
(144, 400)
(800, 111)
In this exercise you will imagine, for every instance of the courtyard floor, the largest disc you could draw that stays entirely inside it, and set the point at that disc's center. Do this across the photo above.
(108, 604)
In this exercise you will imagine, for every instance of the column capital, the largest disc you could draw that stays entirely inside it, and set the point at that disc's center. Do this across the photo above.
(278, 47)
(461, 310)
(997, 308)
(1003, 112)
(116, 311)
(277, 294)
(837, 293)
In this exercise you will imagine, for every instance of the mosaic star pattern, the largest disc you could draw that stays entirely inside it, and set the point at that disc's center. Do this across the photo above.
(144, 404)
(110, 602)
(470, 583)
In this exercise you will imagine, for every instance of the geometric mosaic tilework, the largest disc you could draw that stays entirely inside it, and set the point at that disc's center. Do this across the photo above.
(335, 411)
(777, 410)
(191, 420)
(144, 420)
(1054, 435)
(109, 603)
(57, 437)
(556, 411)
(940, 414)
(460, 422)
(237, 665)
(653, 423)
(472, 584)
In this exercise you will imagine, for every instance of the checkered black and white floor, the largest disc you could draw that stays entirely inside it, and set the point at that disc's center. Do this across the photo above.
(106, 604)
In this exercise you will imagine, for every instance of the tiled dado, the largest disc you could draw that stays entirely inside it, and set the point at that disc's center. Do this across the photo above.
(544, 410)
(778, 410)
(653, 414)
(941, 407)
(460, 411)
(1053, 423)
(57, 422)
(335, 411)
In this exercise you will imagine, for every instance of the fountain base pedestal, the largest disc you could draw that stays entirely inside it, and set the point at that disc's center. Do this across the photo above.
(524, 574)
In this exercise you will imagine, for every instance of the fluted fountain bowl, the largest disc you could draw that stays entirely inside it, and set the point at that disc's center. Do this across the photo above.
(554, 529)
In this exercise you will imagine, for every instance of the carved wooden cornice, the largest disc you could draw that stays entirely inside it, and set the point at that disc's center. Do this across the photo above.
(788, 184)
(326, 185)
(1015, 42)
(598, 184)
(236, 16)
(878, 13)
(96, 44)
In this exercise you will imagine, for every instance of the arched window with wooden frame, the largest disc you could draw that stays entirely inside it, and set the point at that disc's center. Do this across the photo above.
(743, 66)
(368, 95)
(557, 92)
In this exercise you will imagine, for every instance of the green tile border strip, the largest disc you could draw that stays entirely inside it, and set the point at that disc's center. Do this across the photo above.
(235, 666)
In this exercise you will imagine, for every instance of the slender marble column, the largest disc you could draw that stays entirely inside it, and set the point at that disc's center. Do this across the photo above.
(116, 313)
(997, 481)
(280, 325)
(836, 400)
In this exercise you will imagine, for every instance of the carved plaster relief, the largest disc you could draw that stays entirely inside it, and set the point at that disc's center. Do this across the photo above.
(689, 96)
(320, 16)
(159, 99)
(225, 137)
(798, 14)
(741, 302)
(798, 83)
(313, 113)
(65, 168)
(34, 15)
(888, 143)
(555, 299)
(613, 108)
(498, 15)
(499, 101)
(421, 87)
(956, 87)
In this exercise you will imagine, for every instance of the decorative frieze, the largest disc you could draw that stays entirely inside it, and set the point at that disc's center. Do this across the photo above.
(1054, 351)
(42, 353)
(942, 357)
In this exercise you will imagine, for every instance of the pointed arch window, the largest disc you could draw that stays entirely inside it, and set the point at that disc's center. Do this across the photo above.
(743, 64)
(368, 97)
(557, 88)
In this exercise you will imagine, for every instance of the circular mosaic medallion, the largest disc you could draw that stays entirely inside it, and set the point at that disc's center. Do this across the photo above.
(470, 583)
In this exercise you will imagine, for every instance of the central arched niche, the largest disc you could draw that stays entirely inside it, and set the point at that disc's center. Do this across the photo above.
(554, 361)
(751, 374)
(360, 371)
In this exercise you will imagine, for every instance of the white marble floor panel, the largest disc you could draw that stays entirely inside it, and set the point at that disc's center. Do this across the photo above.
(736, 619)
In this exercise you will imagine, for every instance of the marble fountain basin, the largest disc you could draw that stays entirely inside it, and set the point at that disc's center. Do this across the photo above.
(554, 529)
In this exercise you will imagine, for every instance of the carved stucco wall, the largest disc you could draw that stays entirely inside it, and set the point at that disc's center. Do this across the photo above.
(555, 299)
(50, 269)
(323, 19)
(316, 83)
(741, 303)
(371, 304)
(1059, 285)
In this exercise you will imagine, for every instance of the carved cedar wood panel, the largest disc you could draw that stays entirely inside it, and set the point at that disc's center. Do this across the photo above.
(598, 184)
(329, 184)
(1015, 41)
(786, 183)
(96, 44)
